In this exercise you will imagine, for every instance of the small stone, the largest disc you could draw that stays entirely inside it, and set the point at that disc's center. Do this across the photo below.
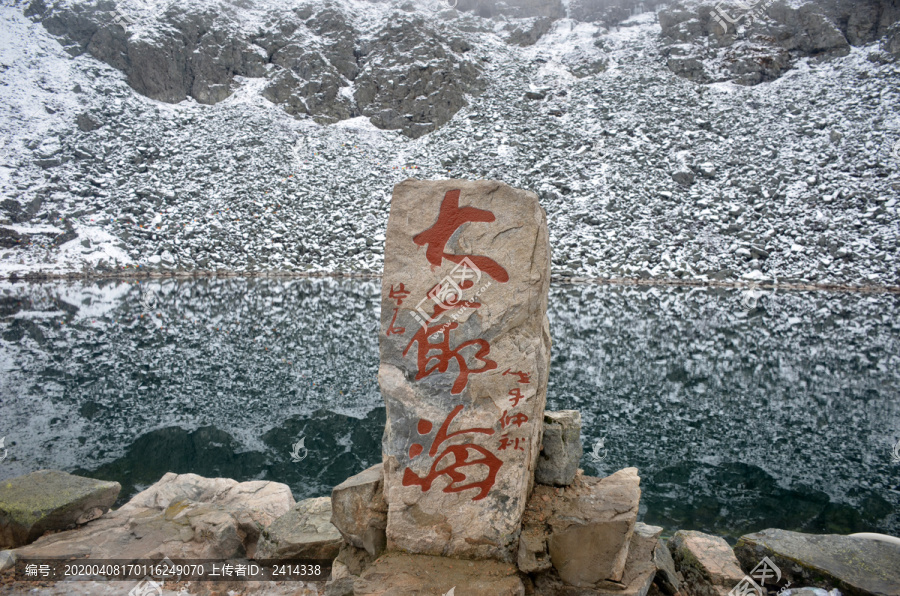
(562, 449)
(304, 532)
(684, 177)
(706, 562)
(359, 511)
(49, 500)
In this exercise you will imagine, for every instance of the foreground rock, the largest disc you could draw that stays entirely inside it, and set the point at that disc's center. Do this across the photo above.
(561, 450)
(304, 532)
(465, 351)
(359, 511)
(401, 574)
(707, 563)
(582, 531)
(50, 500)
(855, 566)
(182, 516)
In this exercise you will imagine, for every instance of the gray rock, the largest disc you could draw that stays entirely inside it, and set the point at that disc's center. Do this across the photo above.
(667, 578)
(684, 177)
(304, 532)
(561, 449)
(856, 566)
(359, 511)
(183, 516)
(50, 500)
(706, 562)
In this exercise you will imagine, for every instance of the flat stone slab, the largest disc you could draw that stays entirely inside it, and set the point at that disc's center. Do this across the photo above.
(396, 574)
(50, 500)
(304, 532)
(465, 355)
(855, 566)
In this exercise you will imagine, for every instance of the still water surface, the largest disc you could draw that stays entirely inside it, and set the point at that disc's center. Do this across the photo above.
(741, 411)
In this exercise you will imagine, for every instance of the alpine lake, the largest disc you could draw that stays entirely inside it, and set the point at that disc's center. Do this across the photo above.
(742, 410)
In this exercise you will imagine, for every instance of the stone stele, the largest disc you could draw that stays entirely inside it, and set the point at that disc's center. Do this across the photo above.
(465, 353)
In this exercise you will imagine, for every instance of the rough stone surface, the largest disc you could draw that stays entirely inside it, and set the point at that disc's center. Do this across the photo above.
(359, 511)
(562, 449)
(667, 578)
(583, 531)
(707, 563)
(50, 500)
(639, 574)
(397, 574)
(182, 516)
(304, 532)
(471, 260)
(855, 566)
(306, 57)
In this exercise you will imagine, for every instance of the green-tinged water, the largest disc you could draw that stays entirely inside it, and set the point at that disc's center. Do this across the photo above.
(742, 411)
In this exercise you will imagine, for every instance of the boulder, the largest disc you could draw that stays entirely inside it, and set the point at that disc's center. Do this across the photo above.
(398, 574)
(583, 531)
(304, 532)
(465, 350)
(49, 500)
(706, 562)
(639, 574)
(855, 566)
(359, 511)
(561, 448)
(182, 517)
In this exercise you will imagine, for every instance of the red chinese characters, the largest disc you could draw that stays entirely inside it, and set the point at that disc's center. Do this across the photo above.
(523, 377)
(442, 466)
(450, 217)
(429, 362)
(397, 296)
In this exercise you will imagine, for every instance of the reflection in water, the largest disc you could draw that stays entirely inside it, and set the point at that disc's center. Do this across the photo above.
(741, 414)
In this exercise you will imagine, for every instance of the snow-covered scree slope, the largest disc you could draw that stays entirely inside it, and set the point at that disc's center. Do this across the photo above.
(643, 173)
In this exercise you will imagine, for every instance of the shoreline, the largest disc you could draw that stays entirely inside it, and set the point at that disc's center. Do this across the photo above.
(792, 286)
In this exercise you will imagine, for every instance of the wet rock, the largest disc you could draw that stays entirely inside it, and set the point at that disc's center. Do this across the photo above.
(857, 566)
(561, 448)
(359, 511)
(467, 262)
(304, 532)
(397, 573)
(182, 516)
(707, 563)
(50, 500)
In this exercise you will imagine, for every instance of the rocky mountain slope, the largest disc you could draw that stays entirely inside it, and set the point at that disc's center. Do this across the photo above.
(259, 136)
